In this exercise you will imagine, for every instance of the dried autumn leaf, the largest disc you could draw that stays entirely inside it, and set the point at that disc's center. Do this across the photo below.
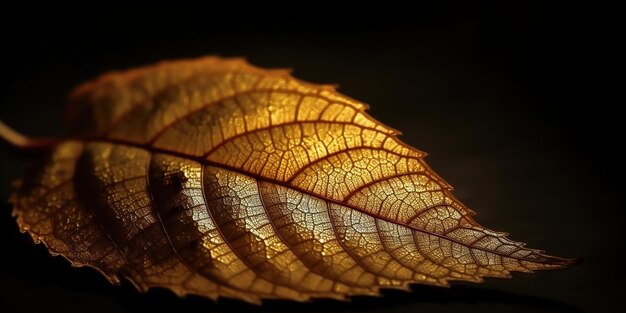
(217, 178)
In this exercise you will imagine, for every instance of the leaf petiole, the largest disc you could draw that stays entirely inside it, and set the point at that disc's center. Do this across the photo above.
(18, 142)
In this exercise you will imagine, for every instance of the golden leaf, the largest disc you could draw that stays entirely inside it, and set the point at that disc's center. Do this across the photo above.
(217, 178)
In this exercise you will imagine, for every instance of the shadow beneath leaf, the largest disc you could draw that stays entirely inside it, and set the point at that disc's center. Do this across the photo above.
(420, 296)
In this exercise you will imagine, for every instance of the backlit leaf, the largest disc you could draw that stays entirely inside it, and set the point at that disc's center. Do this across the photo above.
(217, 178)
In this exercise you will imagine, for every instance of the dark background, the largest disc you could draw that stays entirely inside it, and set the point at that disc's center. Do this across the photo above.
(502, 98)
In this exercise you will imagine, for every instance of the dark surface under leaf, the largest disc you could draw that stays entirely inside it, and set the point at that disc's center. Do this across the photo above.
(500, 92)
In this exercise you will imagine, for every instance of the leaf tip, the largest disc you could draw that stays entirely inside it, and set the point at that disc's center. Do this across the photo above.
(552, 262)
(564, 263)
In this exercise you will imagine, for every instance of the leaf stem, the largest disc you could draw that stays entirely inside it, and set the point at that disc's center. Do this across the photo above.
(20, 143)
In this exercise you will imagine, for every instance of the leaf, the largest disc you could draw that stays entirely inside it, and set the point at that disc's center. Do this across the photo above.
(217, 178)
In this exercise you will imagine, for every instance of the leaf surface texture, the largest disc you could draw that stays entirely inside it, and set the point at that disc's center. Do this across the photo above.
(217, 178)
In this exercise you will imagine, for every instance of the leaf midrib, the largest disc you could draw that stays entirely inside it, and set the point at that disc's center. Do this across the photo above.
(286, 185)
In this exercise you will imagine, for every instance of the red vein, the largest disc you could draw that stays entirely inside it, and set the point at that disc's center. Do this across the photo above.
(227, 242)
(284, 184)
(356, 259)
(204, 106)
(380, 180)
(328, 156)
(282, 125)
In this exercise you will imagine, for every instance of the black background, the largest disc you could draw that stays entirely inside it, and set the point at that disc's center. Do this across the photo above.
(502, 98)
